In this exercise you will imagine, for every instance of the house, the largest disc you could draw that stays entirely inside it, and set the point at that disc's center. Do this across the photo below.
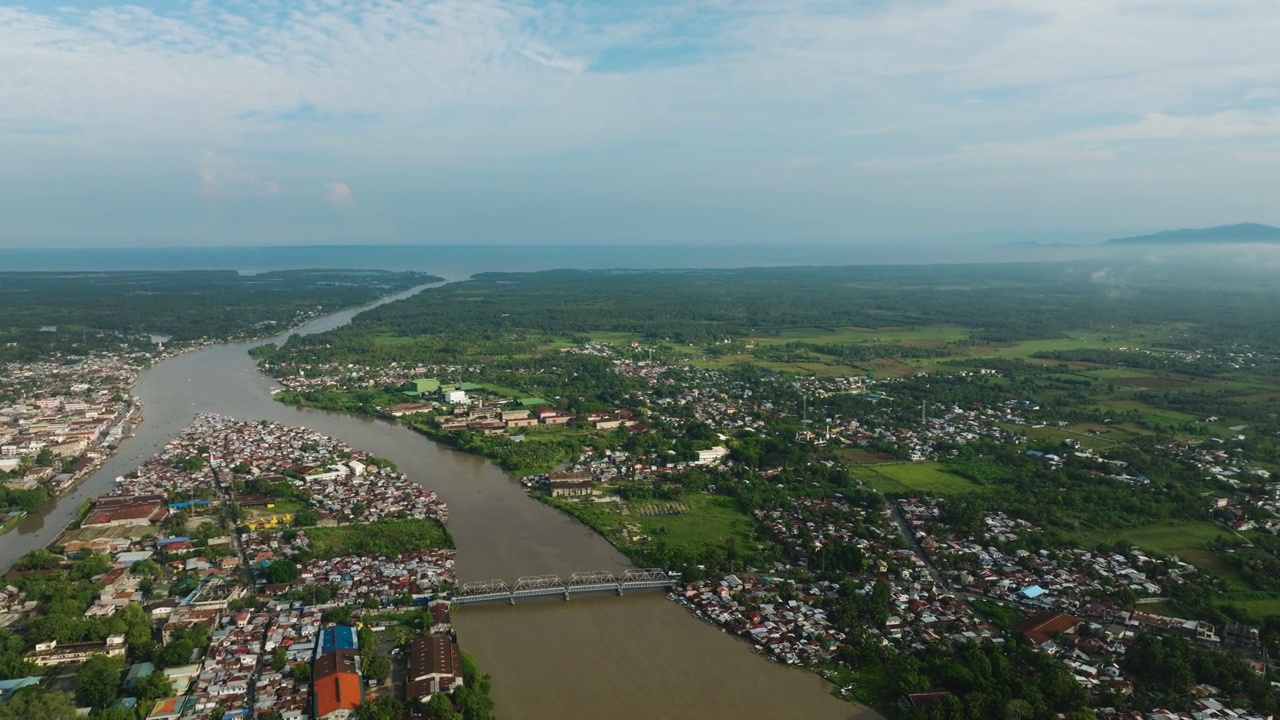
(435, 665)
(1041, 627)
(440, 621)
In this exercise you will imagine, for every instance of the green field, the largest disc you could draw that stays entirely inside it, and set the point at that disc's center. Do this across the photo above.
(387, 537)
(931, 333)
(909, 478)
(710, 521)
(1257, 605)
(1057, 435)
(1074, 341)
(1188, 540)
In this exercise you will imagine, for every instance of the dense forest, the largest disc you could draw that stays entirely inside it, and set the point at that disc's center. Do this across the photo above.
(84, 310)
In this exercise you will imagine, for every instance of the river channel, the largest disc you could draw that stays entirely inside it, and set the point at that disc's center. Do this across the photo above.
(600, 656)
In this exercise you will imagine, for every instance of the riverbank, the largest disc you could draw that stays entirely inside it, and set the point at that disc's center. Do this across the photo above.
(549, 659)
(92, 463)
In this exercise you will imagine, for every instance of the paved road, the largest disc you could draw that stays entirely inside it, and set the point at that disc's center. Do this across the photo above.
(938, 580)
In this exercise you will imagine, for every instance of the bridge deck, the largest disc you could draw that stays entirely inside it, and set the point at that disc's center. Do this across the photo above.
(545, 585)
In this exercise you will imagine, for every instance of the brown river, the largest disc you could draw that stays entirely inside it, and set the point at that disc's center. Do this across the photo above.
(599, 656)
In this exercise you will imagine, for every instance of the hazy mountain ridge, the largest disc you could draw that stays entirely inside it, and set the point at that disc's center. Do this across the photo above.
(1241, 233)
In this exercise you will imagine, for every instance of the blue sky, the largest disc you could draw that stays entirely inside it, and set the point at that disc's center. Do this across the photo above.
(761, 121)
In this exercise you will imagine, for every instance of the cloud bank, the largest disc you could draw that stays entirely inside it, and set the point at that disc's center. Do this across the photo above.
(756, 119)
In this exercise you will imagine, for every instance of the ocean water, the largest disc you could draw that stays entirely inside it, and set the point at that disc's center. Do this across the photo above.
(456, 261)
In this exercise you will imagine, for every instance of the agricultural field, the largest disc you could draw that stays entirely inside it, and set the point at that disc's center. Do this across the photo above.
(926, 478)
(927, 336)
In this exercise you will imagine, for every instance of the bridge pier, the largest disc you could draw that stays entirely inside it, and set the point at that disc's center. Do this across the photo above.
(619, 591)
(511, 600)
(566, 596)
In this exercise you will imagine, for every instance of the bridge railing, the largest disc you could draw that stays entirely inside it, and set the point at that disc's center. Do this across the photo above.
(536, 585)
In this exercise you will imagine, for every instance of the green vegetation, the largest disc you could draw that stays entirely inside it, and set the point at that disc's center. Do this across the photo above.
(1189, 540)
(93, 311)
(915, 478)
(36, 702)
(387, 537)
(1104, 419)
(695, 527)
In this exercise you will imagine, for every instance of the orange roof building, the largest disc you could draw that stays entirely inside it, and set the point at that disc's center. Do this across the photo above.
(1041, 627)
(336, 685)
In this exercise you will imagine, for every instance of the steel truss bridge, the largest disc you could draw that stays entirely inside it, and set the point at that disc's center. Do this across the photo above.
(582, 582)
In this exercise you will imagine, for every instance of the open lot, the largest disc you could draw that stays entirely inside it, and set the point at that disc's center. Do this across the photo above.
(1188, 540)
(710, 520)
(907, 478)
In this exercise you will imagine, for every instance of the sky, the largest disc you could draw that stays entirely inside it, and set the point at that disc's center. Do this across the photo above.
(251, 122)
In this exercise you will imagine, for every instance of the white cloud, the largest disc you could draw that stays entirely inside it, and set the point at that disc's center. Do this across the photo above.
(1158, 126)
(685, 94)
(794, 163)
(221, 178)
(339, 195)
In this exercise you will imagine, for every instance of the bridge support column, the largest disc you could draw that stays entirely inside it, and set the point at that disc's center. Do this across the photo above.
(619, 592)
(566, 596)
(511, 600)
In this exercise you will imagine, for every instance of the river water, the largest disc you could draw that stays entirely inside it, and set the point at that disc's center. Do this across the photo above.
(634, 657)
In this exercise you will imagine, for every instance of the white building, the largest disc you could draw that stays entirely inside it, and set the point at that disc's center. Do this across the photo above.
(714, 455)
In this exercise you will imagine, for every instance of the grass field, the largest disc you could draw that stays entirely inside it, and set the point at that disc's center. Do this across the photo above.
(709, 522)
(1256, 607)
(1188, 540)
(925, 478)
(1057, 435)
(387, 537)
(931, 334)
(1074, 341)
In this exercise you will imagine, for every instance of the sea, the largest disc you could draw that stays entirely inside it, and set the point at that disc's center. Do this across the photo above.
(461, 261)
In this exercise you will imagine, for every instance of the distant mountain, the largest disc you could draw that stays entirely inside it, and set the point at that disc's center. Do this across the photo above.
(1223, 234)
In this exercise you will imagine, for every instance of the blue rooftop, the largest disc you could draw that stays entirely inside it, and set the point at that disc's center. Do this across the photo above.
(1032, 592)
(338, 637)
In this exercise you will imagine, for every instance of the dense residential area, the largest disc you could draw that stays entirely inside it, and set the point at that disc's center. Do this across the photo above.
(60, 421)
(72, 345)
(944, 520)
(250, 570)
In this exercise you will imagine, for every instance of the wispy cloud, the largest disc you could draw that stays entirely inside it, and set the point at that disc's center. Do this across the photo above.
(685, 95)
(220, 178)
(339, 195)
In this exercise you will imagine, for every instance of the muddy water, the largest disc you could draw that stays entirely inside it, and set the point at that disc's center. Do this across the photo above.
(600, 656)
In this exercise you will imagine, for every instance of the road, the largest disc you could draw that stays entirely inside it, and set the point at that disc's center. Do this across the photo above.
(938, 580)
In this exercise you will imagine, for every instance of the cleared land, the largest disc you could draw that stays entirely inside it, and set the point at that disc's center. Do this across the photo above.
(908, 478)
(710, 521)
(389, 537)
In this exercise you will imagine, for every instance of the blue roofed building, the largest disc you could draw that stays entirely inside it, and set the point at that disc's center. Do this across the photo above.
(338, 637)
(9, 687)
